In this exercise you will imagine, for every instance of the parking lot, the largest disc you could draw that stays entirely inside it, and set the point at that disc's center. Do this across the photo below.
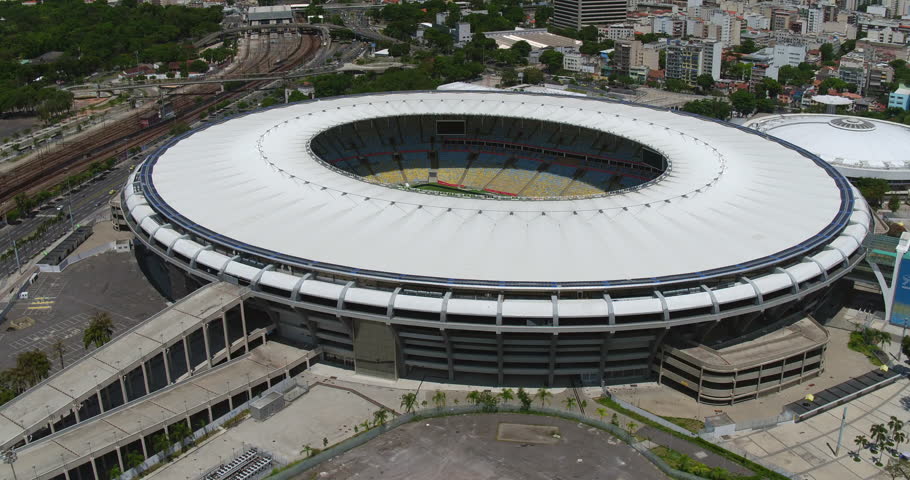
(60, 305)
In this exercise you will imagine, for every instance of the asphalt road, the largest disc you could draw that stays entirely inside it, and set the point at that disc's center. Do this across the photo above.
(84, 202)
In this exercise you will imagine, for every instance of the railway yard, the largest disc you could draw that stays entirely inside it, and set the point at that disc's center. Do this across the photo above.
(257, 54)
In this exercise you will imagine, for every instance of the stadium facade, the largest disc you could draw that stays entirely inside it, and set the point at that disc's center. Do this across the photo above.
(514, 237)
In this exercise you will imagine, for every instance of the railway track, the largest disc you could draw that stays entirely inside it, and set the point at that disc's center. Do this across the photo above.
(72, 157)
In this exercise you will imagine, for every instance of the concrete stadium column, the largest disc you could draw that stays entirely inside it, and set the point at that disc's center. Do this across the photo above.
(552, 375)
(66, 471)
(761, 367)
(499, 360)
(604, 349)
(227, 341)
(802, 368)
(145, 376)
(167, 367)
(122, 387)
(119, 457)
(449, 353)
(246, 334)
(100, 403)
(145, 453)
(733, 390)
(783, 368)
(205, 340)
(91, 460)
(186, 354)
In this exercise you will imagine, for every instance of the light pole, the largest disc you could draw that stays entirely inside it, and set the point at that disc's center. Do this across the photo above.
(9, 457)
(9, 235)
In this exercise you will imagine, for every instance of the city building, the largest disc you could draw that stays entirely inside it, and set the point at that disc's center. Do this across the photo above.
(576, 62)
(576, 14)
(345, 253)
(463, 32)
(626, 54)
(900, 98)
(852, 69)
(686, 60)
(669, 25)
(886, 35)
(878, 79)
(856, 147)
(270, 15)
(815, 17)
(538, 38)
(617, 31)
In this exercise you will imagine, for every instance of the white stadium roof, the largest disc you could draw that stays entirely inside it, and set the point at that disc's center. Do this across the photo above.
(729, 197)
(857, 147)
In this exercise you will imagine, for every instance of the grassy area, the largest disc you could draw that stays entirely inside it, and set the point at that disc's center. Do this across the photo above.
(689, 424)
(859, 342)
(761, 471)
(447, 189)
(684, 463)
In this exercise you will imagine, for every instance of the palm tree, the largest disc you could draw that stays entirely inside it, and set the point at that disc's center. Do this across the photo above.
(32, 366)
(59, 349)
(544, 396)
(161, 443)
(439, 398)
(365, 425)
(583, 404)
(602, 412)
(507, 395)
(133, 459)
(408, 401)
(895, 425)
(179, 432)
(474, 397)
(115, 473)
(100, 330)
(380, 416)
(631, 426)
(569, 402)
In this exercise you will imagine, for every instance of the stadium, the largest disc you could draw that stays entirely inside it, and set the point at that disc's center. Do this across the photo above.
(856, 147)
(511, 238)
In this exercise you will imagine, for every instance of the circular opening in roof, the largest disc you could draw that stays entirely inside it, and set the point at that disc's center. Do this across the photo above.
(854, 124)
(488, 156)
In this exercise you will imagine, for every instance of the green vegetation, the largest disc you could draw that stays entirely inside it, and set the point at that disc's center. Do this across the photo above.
(684, 463)
(869, 342)
(759, 470)
(709, 108)
(31, 368)
(99, 331)
(90, 37)
(236, 419)
(689, 424)
(447, 189)
(873, 189)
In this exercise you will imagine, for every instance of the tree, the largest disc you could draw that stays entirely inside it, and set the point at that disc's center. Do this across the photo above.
(743, 101)
(894, 203)
(408, 401)
(524, 398)
(33, 366)
(873, 189)
(325, 441)
(161, 443)
(542, 16)
(709, 108)
(509, 77)
(552, 59)
(675, 85)
(544, 396)
(705, 82)
(133, 459)
(522, 47)
(100, 330)
(827, 52)
(569, 402)
(601, 412)
(23, 204)
(533, 76)
(473, 397)
(439, 398)
(747, 46)
(179, 432)
(198, 66)
(296, 96)
(631, 426)
(114, 473)
(380, 416)
(879, 435)
(59, 350)
(507, 395)
(898, 468)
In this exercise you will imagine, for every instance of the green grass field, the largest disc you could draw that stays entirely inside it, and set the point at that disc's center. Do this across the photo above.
(432, 187)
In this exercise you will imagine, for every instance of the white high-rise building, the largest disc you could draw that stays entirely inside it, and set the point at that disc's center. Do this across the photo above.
(579, 13)
(687, 60)
(814, 20)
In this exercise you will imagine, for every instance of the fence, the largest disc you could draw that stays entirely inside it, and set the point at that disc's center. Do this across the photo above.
(118, 246)
(135, 472)
(650, 416)
(295, 470)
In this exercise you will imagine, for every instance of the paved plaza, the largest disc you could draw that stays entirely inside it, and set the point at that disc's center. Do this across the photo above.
(466, 447)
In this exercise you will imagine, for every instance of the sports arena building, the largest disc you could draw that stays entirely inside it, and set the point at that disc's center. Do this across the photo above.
(857, 147)
(511, 237)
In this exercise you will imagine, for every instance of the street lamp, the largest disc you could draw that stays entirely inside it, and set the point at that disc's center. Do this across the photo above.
(9, 457)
